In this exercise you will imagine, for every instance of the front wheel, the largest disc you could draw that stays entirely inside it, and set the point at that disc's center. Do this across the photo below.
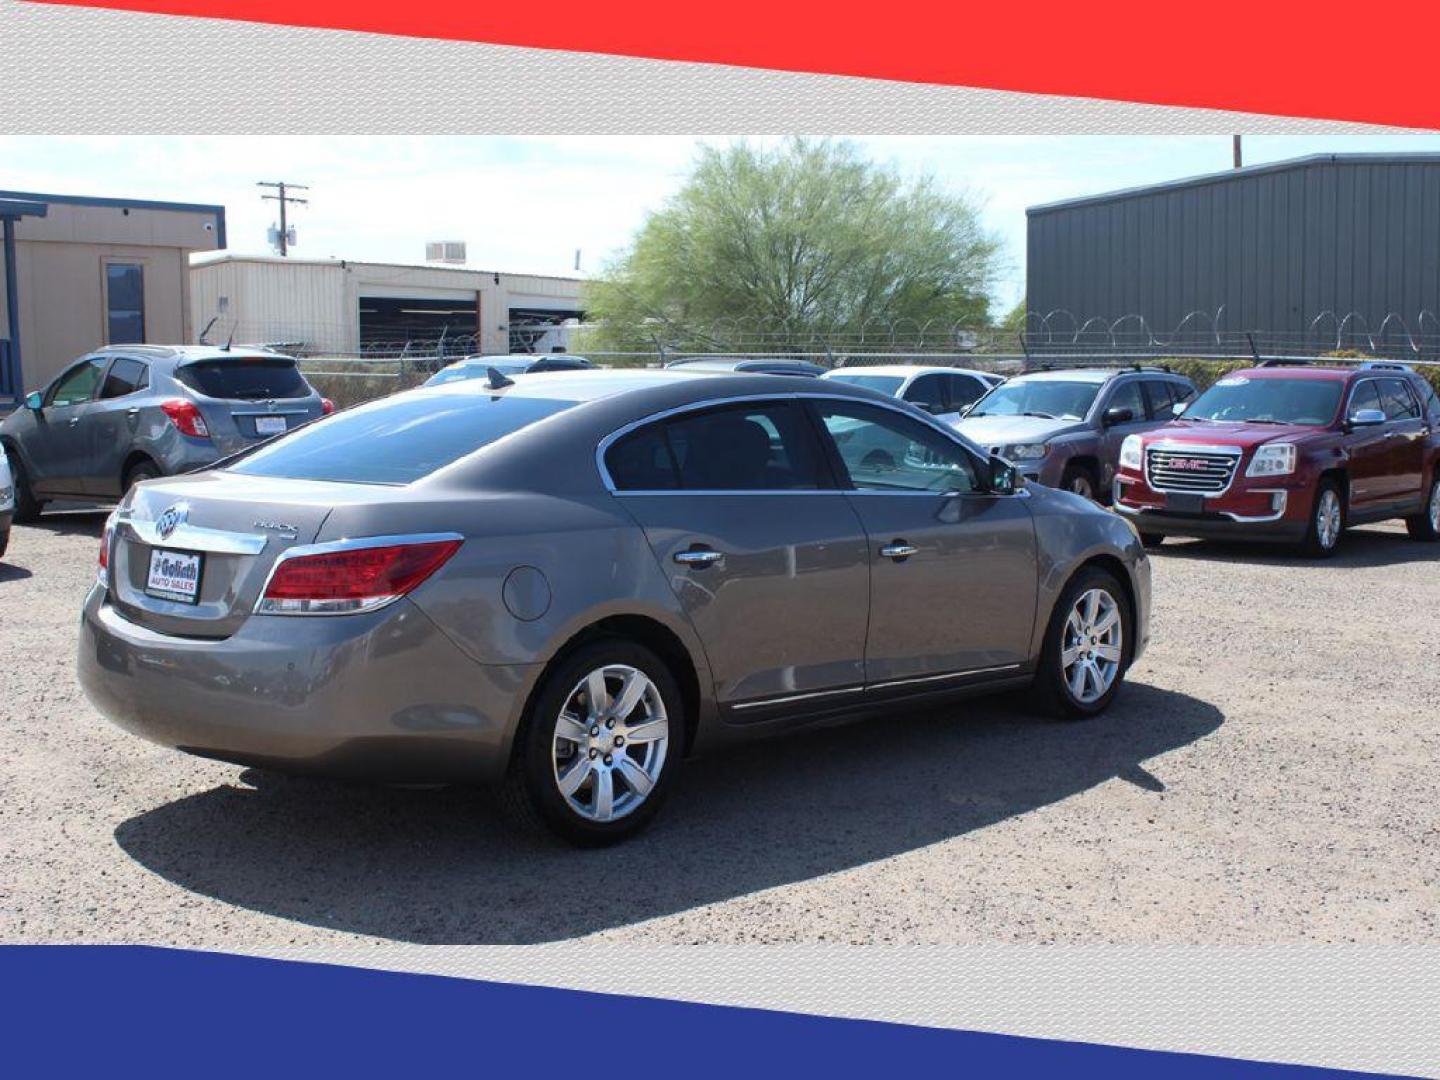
(27, 506)
(1088, 645)
(1426, 524)
(595, 754)
(1327, 522)
(1080, 480)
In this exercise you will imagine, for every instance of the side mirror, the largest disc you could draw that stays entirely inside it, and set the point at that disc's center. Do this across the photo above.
(1004, 479)
(1118, 415)
(33, 401)
(1366, 418)
(1179, 407)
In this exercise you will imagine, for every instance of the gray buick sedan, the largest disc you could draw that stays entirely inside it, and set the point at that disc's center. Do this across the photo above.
(562, 585)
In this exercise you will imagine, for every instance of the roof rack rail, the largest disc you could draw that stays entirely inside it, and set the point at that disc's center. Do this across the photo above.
(1385, 365)
(1137, 366)
(1285, 361)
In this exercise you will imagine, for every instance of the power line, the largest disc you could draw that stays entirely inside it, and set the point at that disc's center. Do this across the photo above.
(284, 200)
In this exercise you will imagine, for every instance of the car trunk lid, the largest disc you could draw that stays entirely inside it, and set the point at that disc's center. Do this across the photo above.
(212, 539)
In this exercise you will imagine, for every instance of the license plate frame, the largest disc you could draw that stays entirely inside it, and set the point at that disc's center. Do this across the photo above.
(1185, 503)
(271, 425)
(172, 581)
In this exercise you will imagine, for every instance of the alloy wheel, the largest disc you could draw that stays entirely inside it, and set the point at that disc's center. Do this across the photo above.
(611, 740)
(1081, 486)
(1435, 506)
(1328, 518)
(1092, 646)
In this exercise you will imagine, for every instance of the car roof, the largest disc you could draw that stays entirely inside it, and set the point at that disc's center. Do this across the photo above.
(189, 354)
(1299, 371)
(906, 370)
(596, 383)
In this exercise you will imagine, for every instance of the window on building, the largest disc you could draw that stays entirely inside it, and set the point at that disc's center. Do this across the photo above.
(125, 303)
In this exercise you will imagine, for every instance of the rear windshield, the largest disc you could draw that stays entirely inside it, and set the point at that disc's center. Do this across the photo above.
(398, 440)
(1237, 399)
(245, 378)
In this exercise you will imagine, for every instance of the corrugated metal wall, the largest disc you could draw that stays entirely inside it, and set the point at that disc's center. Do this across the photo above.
(1276, 246)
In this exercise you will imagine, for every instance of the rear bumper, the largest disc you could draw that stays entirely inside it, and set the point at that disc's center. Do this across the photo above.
(384, 696)
(1263, 511)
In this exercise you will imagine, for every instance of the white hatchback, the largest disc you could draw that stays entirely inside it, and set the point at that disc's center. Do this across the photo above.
(944, 392)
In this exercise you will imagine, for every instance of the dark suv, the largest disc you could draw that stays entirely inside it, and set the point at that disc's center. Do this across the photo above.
(1064, 428)
(1290, 453)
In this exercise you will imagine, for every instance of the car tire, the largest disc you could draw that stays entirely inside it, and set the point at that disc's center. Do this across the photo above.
(1426, 524)
(541, 793)
(141, 470)
(1075, 635)
(27, 507)
(4, 542)
(1080, 480)
(1152, 540)
(1327, 522)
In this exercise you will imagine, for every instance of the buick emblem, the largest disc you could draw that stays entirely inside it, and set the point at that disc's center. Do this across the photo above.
(172, 519)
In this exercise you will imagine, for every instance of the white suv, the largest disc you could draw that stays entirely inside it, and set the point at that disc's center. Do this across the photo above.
(944, 392)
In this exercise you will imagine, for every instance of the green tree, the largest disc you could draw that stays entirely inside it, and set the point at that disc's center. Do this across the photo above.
(806, 239)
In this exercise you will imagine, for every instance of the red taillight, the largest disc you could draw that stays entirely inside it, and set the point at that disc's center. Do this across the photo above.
(327, 406)
(185, 415)
(105, 535)
(352, 578)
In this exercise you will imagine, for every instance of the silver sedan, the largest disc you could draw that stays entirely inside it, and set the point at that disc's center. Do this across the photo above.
(562, 585)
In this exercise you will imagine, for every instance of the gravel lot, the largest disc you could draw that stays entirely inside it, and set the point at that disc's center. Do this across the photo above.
(1269, 775)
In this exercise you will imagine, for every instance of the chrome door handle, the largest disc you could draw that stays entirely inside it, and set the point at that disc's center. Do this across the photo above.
(134, 410)
(74, 420)
(898, 550)
(702, 557)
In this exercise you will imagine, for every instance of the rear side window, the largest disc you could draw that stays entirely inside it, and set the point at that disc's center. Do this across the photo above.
(752, 447)
(396, 441)
(1162, 396)
(245, 378)
(928, 392)
(1429, 402)
(125, 377)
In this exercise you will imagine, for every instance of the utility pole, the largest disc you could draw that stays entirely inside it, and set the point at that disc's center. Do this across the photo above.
(1236, 145)
(284, 200)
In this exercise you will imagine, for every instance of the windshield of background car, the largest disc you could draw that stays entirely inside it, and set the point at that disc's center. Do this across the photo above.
(245, 378)
(1237, 399)
(1048, 398)
(398, 440)
(885, 384)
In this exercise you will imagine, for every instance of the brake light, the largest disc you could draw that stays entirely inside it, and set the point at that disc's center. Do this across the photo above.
(352, 578)
(105, 536)
(185, 415)
(326, 406)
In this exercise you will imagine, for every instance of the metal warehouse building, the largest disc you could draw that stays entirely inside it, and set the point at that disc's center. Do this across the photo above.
(341, 307)
(1313, 246)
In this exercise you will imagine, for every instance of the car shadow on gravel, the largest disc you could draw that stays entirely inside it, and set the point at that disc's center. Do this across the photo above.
(440, 866)
(1360, 548)
(88, 521)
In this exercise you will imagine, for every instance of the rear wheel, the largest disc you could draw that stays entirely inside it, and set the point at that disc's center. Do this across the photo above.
(1327, 522)
(141, 470)
(1080, 480)
(1426, 524)
(594, 757)
(27, 507)
(1088, 646)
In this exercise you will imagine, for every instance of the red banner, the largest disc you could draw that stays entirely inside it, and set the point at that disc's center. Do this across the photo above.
(1373, 62)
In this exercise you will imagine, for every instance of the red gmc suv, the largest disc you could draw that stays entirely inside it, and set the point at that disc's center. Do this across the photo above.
(1291, 453)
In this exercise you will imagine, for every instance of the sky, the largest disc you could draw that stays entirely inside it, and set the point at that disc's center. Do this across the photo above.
(526, 205)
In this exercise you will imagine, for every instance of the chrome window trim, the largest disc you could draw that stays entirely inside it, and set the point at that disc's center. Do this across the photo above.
(603, 446)
(327, 547)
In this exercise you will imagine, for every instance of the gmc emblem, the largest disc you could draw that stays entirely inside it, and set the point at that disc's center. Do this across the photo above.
(1187, 464)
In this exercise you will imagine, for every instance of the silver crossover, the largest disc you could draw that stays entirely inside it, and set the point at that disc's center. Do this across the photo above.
(132, 412)
(563, 584)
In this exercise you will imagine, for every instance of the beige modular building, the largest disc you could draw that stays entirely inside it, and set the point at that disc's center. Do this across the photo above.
(83, 272)
(340, 307)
